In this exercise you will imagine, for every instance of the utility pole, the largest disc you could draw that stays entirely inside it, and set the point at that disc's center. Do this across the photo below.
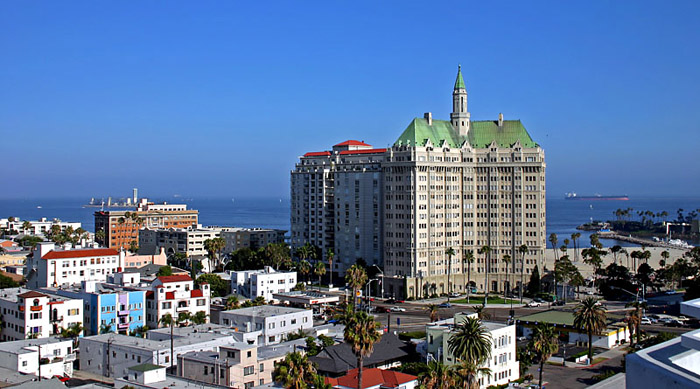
(38, 354)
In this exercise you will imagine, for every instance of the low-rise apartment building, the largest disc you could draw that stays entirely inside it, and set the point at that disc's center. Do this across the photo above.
(274, 322)
(174, 295)
(51, 266)
(31, 314)
(503, 364)
(240, 365)
(265, 282)
(46, 357)
(36, 227)
(177, 240)
(108, 307)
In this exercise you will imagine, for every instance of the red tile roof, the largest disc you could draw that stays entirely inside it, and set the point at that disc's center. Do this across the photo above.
(366, 151)
(31, 294)
(178, 278)
(352, 143)
(318, 154)
(170, 295)
(196, 293)
(79, 253)
(372, 377)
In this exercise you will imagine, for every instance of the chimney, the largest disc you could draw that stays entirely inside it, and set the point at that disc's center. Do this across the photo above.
(429, 117)
(500, 120)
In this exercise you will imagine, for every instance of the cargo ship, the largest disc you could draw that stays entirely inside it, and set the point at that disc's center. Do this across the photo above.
(595, 197)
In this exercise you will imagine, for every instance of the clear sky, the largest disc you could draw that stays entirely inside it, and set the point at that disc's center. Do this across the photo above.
(220, 98)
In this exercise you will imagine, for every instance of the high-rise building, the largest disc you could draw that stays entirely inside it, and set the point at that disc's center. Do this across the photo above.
(120, 229)
(458, 184)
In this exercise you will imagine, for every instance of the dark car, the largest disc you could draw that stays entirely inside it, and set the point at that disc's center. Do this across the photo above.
(390, 301)
(558, 302)
(445, 305)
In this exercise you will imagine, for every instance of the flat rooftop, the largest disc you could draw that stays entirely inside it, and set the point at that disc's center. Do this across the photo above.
(150, 344)
(265, 311)
(672, 357)
(11, 294)
(563, 318)
(196, 329)
(19, 346)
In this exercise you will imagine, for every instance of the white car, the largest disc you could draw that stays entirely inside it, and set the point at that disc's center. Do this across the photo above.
(397, 309)
(645, 320)
(532, 304)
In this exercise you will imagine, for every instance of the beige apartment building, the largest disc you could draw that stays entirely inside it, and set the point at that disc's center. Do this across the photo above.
(458, 184)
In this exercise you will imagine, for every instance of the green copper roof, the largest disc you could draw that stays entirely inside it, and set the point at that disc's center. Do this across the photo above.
(480, 135)
(459, 83)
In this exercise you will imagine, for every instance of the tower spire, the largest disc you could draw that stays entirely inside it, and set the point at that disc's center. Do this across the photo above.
(460, 116)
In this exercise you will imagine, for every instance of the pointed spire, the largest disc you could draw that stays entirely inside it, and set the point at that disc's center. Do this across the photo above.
(459, 83)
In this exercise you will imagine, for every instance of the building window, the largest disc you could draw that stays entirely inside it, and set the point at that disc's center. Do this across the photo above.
(248, 370)
(249, 354)
(201, 302)
(206, 370)
(262, 368)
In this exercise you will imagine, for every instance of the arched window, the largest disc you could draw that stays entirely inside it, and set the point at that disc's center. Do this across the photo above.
(36, 302)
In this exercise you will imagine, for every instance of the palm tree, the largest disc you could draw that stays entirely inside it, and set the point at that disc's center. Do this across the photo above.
(468, 373)
(627, 255)
(100, 236)
(295, 371)
(438, 376)
(589, 316)
(26, 226)
(433, 310)
(554, 241)
(471, 345)
(469, 259)
(141, 331)
(355, 277)
(486, 250)
(73, 331)
(167, 320)
(544, 343)
(507, 261)
(481, 313)
(330, 255)
(199, 318)
(183, 319)
(575, 236)
(305, 268)
(522, 249)
(361, 334)
(637, 317)
(615, 250)
(320, 270)
(449, 252)
(232, 303)
(105, 328)
(214, 247)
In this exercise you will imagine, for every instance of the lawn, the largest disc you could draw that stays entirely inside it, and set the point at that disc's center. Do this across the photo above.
(476, 299)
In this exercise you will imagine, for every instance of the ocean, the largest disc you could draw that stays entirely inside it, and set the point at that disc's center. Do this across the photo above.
(562, 215)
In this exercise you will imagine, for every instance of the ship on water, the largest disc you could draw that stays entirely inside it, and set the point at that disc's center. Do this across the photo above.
(595, 197)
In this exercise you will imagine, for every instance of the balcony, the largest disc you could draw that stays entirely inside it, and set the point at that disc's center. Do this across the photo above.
(70, 358)
(122, 326)
(123, 313)
(36, 308)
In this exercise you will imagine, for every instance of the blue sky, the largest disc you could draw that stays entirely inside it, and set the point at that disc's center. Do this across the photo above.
(220, 98)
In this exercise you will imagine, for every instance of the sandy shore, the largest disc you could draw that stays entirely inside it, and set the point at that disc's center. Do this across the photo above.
(621, 258)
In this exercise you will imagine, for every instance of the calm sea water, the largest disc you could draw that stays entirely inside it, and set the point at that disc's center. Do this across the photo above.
(562, 215)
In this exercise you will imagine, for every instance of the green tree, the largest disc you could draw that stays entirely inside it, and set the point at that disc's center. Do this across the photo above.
(304, 268)
(589, 316)
(544, 342)
(468, 259)
(507, 261)
(433, 311)
(437, 376)
(534, 286)
(232, 303)
(294, 372)
(554, 240)
(141, 331)
(199, 317)
(320, 271)
(356, 278)
(105, 328)
(636, 318)
(361, 334)
(73, 331)
(450, 252)
(27, 226)
(574, 237)
(168, 320)
(183, 319)
(330, 255)
(165, 271)
(486, 252)
(7, 282)
(100, 236)
(522, 250)
(481, 313)
(217, 286)
(214, 247)
(471, 347)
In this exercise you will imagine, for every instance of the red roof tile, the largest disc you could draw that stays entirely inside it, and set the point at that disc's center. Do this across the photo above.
(178, 278)
(79, 253)
(31, 294)
(367, 151)
(372, 377)
(170, 295)
(318, 154)
(196, 293)
(352, 143)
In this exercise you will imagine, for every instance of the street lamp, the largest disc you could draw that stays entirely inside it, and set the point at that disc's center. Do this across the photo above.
(369, 300)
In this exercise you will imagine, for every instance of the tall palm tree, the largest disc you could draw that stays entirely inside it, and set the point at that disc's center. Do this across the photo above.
(615, 250)
(522, 250)
(355, 277)
(637, 317)
(471, 345)
(304, 268)
(627, 255)
(330, 255)
(574, 237)
(468, 374)
(73, 332)
(168, 320)
(544, 342)
(589, 316)
(554, 241)
(449, 252)
(295, 371)
(319, 270)
(433, 310)
(469, 259)
(361, 334)
(481, 313)
(507, 260)
(486, 251)
(437, 376)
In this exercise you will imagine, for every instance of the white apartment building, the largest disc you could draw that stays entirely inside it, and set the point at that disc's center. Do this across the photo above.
(274, 322)
(672, 364)
(237, 365)
(265, 282)
(183, 240)
(36, 227)
(24, 356)
(30, 314)
(458, 184)
(53, 266)
(503, 364)
(174, 295)
(111, 355)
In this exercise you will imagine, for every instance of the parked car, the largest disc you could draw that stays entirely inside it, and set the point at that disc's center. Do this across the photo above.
(533, 303)
(454, 294)
(558, 303)
(397, 309)
(537, 299)
(645, 320)
(383, 310)
(445, 305)
(390, 301)
(674, 323)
